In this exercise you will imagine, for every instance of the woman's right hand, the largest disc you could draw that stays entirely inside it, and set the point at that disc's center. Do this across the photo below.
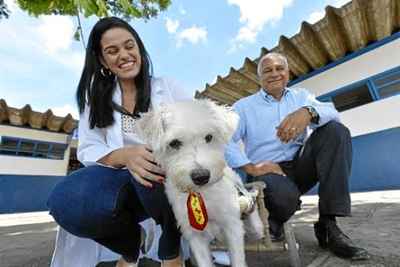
(141, 164)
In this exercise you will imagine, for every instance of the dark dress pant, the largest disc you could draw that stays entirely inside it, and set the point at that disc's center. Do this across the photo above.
(325, 159)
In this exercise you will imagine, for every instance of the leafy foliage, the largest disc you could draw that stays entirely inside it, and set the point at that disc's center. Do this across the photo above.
(100, 8)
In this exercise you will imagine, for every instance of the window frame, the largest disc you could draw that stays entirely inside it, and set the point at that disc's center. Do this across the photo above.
(35, 153)
(370, 82)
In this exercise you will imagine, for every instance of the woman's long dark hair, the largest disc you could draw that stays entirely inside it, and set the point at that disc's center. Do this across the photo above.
(97, 90)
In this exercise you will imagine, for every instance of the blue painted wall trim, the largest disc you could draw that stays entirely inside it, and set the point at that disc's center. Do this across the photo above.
(376, 164)
(25, 193)
(375, 167)
(346, 58)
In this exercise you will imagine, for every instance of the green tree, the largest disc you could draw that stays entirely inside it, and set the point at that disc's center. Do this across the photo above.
(100, 8)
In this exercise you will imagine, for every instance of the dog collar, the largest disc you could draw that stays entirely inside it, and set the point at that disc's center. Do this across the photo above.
(197, 211)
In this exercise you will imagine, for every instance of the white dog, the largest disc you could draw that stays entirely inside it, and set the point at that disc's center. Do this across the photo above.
(188, 141)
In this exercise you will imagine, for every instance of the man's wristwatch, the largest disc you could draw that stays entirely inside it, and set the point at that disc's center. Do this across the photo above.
(314, 114)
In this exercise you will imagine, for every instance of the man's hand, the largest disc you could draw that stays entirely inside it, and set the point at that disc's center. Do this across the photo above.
(263, 168)
(294, 124)
(141, 164)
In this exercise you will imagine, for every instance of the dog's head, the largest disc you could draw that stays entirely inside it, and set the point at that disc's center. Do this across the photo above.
(188, 140)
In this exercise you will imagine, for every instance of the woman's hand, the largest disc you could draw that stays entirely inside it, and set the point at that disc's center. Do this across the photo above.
(141, 164)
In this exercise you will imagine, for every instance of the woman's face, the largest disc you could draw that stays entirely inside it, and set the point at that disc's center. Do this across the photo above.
(121, 53)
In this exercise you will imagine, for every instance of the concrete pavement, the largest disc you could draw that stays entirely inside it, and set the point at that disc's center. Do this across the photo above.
(27, 240)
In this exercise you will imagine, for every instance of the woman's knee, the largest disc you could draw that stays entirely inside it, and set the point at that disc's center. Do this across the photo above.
(84, 205)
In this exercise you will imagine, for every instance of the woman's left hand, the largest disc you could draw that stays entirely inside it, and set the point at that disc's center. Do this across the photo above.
(142, 165)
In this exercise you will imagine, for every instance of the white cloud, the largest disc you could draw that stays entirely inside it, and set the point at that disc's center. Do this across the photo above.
(171, 25)
(11, 5)
(254, 15)
(193, 35)
(56, 32)
(64, 110)
(182, 10)
(46, 37)
(40, 61)
(319, 14)
(315, 16)
(340, 3)
(73, 60)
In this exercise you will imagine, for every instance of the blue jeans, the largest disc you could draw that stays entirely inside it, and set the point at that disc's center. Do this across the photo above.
(106, 205)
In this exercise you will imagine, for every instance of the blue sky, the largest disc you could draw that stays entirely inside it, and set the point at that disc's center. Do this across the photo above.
(192, 42)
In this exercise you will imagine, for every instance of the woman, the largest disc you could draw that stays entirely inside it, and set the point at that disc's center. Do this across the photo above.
(121, 184)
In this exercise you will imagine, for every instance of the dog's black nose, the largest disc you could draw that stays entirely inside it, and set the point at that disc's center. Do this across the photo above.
(200, 176)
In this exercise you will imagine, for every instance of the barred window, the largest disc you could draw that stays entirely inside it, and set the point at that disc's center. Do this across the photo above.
(376, 87)
(353, 98)
(13, 146)
(388, 84)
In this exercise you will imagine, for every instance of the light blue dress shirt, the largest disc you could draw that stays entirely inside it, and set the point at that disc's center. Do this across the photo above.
(260, 114)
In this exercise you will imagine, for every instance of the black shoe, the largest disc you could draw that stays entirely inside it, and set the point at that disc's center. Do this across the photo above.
(321, 234)
(276, 231)
(330, 236)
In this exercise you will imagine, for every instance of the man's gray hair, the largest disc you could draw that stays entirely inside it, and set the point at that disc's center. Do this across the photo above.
(270, 55)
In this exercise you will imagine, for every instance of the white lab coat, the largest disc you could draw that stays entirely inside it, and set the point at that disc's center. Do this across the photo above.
(72, 251)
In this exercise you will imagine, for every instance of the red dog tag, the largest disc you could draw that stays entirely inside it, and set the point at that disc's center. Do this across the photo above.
(197, 211)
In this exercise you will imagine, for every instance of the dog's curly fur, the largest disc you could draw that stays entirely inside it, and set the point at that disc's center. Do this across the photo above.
(189, 136)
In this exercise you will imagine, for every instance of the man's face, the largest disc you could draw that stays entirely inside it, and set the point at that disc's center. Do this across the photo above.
(274, 75)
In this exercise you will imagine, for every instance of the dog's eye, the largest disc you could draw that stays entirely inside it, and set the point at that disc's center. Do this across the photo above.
(208, 138)
(175, 144)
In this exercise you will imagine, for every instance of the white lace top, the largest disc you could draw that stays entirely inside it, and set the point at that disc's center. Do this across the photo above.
(128, 131)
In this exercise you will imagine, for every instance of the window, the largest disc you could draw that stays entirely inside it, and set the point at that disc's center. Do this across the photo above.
(371, 89)
(390, 90)
(351, 99)
(31, 148)
(42, 150)
(57, 151)
(388, 84)
(8, 145)
(26, 148)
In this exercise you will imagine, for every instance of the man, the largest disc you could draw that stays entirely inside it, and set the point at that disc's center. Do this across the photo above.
(273, 127)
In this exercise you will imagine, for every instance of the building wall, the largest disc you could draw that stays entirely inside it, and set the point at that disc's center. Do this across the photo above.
(375, 127)
(25, 193)
(17, 165)
(361, 67)
(373, 117)
(26, 182)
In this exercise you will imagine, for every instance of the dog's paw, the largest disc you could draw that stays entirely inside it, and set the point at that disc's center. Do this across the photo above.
(247, 205)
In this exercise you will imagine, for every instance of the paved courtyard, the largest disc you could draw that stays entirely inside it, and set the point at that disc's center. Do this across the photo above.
(27, 240)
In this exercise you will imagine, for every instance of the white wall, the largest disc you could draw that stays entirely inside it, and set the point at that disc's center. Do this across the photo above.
(373, 62)
(16, 165)
(33, 166)
(373, 117)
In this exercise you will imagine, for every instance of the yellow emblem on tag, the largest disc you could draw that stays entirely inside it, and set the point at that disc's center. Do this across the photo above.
(197, 211)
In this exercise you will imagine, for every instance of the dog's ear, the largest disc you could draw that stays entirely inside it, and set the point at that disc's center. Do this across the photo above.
(150, 127)
(226, 117)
